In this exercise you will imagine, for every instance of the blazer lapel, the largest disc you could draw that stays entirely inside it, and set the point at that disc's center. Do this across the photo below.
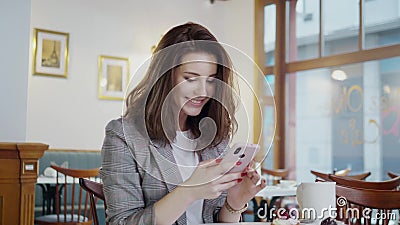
(168, 171)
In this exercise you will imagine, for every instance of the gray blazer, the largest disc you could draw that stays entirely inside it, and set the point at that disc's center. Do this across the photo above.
(137, 172)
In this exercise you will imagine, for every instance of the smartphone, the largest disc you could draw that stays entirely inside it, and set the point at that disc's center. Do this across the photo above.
(245, 152)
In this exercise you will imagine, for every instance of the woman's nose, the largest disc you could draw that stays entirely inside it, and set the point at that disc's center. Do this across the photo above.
(201, 89)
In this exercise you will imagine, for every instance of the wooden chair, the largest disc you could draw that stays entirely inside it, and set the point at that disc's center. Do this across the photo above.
(344, 172)
(352, 200)
(95, 191)
(325, 176)
(72, 204)
(393, 175)
(377, 185)
(321, 176)
(361, 176)
(277, 174)
(282, 173)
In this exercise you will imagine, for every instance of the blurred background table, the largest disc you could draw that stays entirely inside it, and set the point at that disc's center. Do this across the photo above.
(242, 223)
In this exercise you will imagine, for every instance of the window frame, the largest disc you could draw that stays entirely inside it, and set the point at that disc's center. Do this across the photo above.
(281, 68)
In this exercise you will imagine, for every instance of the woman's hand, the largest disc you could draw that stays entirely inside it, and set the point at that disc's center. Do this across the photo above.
(210, 179)
(243, 192)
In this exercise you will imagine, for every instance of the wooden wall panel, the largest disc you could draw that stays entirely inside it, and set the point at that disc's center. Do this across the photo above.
(18, 174)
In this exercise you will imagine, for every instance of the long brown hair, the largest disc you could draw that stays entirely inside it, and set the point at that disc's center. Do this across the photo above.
(148, 96)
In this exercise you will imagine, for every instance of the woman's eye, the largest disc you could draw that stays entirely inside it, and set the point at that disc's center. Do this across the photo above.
(210, 80)
(190, 79)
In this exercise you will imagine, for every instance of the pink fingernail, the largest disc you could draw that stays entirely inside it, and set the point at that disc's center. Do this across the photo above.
(218, 160)
(238, 163)
(239, 180)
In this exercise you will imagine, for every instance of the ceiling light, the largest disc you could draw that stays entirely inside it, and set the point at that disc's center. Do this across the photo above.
(339, 75)
(386, 89)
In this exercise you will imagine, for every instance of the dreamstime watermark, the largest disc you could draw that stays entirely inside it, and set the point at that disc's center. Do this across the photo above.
(366, 213)
(264, 212)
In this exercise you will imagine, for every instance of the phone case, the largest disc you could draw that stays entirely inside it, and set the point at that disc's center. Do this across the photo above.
(245, 152)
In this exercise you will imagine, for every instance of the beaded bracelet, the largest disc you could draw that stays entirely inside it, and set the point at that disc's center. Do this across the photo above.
(232, 210)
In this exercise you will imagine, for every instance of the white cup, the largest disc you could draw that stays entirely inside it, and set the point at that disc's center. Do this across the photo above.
(316, 200)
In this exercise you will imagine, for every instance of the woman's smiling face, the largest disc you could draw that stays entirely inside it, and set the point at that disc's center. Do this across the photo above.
(194, 84)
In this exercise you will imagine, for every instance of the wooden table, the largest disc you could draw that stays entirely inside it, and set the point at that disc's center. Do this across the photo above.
(277, 191)
(47, 184)
(242, 223)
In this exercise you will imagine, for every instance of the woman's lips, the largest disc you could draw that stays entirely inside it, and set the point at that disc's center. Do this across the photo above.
(197, 101)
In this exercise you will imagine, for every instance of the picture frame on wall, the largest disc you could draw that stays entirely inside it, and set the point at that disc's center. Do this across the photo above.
(50, 49)
(113, 77)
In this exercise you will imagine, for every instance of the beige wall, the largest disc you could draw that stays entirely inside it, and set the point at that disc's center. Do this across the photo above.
(66, 113)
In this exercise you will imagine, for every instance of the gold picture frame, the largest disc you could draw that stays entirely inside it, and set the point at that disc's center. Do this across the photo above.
(50, 53)
(113, 77)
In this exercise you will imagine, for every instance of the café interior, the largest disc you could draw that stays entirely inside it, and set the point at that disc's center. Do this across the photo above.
(319, 88)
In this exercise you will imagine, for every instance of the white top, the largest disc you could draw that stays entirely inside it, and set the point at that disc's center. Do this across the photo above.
(187, 159)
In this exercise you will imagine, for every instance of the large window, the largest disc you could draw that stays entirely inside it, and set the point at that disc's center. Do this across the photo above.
(348, 121)
(341, 90)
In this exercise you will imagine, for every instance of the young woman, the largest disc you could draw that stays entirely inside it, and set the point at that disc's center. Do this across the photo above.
(162, 160)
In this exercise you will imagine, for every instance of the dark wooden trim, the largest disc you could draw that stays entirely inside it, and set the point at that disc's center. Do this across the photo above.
(347, 58)
(259, 58)
(267, 70)
(280, 84)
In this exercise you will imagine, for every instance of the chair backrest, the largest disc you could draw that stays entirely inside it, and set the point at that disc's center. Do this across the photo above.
(393, 175)
(277, 174)
(343, 172)
(72, 204)
(283, 173)
(360, 176)
(95, 191)
(356, 203)
(325, 176)
(377, 185)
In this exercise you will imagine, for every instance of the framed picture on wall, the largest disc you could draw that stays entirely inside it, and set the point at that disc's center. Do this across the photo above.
(50, 49)
(113, 77)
